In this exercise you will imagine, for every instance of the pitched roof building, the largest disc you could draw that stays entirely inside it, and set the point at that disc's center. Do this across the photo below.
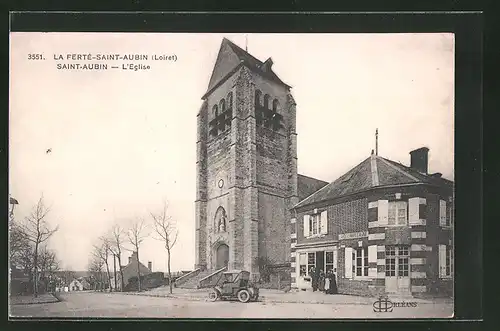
(383, 227)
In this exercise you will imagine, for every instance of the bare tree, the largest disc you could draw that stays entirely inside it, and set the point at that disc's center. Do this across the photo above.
(18, 243)
(167, 232)
(49, 265)
(37, 230)
(137, 233)
(117, 238)
(95, 269)
(101, 251)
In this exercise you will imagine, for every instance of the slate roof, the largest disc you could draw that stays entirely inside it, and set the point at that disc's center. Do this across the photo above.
(230, 57)
(307, 185)
(375, 171)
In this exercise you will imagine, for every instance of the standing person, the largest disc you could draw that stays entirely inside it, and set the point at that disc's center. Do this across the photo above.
(314, 278)
(333, 282)
(327, 281)
(321, 282)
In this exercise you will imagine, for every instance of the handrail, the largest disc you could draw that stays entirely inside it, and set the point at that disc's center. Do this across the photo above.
(213, 274)
(187, 275)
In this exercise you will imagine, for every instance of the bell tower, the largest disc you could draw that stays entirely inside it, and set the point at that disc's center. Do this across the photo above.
(246, 164)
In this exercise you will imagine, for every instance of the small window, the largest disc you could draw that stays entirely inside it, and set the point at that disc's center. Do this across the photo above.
(314, 225)
(222, 105)
(275, 104)
(398, 213)
(258, 95)
(230, 100)
(266, 101)
(215, 111)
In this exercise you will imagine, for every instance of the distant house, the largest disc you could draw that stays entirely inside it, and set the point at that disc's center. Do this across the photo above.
(130, 270)
(80, 284)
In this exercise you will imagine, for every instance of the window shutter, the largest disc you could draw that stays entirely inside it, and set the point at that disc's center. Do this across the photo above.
(442, 212)
(442, 260)
(383, 212)
(306, 226)
(413, 210)
(348, 263)
(372, 253)
(324, 222)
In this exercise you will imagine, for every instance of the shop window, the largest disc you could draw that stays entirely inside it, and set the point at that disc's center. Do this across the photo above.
(398, 213)
(329, 261)
(361, 261)
(303, 264)
(311, 261)
(397, 261)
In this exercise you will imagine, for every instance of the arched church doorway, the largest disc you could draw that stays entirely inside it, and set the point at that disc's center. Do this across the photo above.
(222, 256)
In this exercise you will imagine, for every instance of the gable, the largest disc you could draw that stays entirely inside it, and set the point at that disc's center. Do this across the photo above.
(226, 61)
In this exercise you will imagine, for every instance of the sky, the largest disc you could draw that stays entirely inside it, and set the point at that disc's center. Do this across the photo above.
(123, 141)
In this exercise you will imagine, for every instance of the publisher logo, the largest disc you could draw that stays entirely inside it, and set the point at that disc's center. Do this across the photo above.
(384, 305)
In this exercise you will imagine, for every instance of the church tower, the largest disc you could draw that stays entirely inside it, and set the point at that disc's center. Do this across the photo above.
(246, 164)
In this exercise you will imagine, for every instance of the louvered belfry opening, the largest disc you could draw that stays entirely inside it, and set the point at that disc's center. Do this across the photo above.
(267, 115)
(222, 115)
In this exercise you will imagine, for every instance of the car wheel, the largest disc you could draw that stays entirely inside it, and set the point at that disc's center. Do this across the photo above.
(243, 296)
(213, 295)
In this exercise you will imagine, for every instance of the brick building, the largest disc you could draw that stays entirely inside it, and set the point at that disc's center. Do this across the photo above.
(247, 179)
(383, 227)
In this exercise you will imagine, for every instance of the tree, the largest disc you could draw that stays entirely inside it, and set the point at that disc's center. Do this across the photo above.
(18, 243)
(101, 251)
(37, 230)
(136, 235)
(49, 265)
(167, 232)
(95, 268)
(117, 244)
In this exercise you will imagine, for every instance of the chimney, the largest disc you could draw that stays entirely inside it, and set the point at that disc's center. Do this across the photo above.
(419, 159)
(150, 266)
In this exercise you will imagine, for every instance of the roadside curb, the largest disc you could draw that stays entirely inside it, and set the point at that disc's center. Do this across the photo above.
(262, 299)
(266, 300)
(54, 299)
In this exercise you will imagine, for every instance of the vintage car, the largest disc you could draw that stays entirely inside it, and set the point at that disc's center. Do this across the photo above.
(233, 285)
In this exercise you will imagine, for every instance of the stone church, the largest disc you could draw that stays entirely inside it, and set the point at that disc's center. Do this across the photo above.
(247, 181)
